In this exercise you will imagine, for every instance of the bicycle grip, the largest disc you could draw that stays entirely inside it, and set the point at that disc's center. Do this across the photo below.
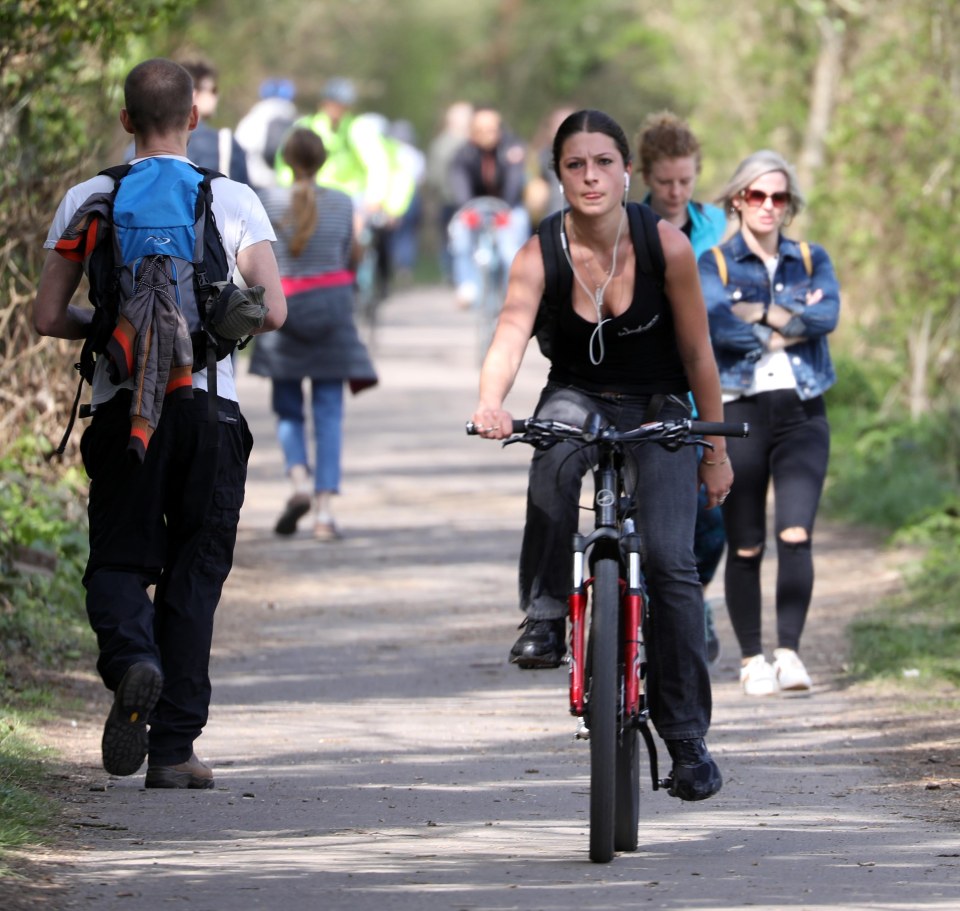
(720, 428)
(518, 427)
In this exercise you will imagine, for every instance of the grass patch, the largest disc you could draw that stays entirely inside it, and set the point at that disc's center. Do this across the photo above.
(915, 636)
(901, 475)
(27, 812)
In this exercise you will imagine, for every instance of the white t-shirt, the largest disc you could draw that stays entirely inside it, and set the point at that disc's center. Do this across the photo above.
(242, 221)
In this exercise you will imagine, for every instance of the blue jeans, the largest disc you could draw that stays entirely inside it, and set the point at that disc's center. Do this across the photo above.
(327, 407)
(510, 238)
(666, 491)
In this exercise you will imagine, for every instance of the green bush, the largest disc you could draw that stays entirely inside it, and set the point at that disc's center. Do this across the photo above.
(43, 550)
(890, 472)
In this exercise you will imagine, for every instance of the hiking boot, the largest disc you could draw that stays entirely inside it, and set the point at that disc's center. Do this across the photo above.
(789, 670)
(540, 645)
(297, 507)
(193, 774)
(695, 776)
(124, 744)
(757, 677)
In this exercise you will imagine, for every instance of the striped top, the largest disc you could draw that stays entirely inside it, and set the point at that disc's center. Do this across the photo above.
(328, 250)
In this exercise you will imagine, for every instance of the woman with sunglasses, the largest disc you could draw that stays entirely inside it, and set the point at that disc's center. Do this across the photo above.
(771, 303)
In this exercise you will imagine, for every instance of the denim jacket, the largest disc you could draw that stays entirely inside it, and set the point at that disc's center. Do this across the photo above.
(738, 345)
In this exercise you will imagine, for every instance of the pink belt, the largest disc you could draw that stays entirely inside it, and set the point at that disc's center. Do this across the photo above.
(300, 284)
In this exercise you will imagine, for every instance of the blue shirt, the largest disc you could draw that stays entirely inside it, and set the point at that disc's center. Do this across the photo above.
(738, 345)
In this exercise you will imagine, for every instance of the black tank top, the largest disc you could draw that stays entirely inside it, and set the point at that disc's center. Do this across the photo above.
(640, 355)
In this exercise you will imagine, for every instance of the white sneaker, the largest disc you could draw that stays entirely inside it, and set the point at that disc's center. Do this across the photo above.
(757, 677)
(789, 670)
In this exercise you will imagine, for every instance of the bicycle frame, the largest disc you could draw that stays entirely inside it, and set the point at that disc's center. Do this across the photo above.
(615, 708)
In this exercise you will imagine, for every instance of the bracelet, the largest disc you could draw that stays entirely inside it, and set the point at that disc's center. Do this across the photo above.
(722, 461)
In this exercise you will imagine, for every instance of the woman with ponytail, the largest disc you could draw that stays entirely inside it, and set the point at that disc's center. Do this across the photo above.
(317, 252)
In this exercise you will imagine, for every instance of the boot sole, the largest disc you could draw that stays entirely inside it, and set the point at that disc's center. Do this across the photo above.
(124, 743)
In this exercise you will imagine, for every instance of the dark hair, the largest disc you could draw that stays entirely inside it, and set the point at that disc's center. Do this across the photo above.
(304, 151)
(589, 121)
(158, 96)
(199, 69)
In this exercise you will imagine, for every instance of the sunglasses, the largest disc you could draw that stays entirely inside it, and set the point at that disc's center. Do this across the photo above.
(756, 198)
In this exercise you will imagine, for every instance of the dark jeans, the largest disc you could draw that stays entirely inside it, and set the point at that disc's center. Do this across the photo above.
(666, 487)
(789, 444)
(169, 522)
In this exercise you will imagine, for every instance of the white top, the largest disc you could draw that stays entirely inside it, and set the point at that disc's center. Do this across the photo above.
(242, 221)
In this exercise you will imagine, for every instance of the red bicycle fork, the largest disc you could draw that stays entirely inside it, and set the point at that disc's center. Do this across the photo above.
(631, 612)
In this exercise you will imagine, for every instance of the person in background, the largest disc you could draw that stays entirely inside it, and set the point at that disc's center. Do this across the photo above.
(490, 163)
(542, 194)
(210, 148)
(316, 253)
(261, 130)
(669, 166)
(440, 153)
(772, 303)
(357, 160)
(411, 162)
(167, 525)
(619, 338)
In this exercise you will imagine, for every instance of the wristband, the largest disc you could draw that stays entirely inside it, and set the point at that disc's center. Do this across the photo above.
(722, 461)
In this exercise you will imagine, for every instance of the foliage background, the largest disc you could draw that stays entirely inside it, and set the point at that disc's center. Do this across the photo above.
(862, 94)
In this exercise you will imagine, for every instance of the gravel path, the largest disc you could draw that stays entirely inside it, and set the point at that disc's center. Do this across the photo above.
(374, 750)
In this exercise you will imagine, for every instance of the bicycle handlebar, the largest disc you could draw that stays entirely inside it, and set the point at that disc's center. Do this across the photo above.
(684, 430)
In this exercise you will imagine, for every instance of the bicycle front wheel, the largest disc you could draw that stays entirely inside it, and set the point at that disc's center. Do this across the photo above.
(602, 703)
(627, 790)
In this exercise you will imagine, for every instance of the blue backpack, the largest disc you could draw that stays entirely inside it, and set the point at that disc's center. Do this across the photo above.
(158, 283)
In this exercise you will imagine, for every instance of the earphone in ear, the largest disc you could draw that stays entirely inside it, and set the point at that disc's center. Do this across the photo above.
(626, 182)
(560, 187)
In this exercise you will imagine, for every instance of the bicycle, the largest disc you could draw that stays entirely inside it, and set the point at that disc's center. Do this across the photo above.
(373, 273)
(608, 665)
(483, 217)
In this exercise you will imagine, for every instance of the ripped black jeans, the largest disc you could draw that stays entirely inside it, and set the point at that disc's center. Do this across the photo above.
(789, 445)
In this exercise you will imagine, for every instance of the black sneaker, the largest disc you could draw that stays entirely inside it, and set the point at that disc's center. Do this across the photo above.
(695, 775)
(297, 507)
(124, 744)
(540, 645)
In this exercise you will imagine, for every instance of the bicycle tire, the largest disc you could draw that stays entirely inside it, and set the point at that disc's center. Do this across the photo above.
(627, 822)
(603, 701)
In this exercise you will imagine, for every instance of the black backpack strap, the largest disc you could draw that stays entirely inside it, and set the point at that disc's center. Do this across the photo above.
(556, 279)
(212, 269)
(553, 258)
(646, 241)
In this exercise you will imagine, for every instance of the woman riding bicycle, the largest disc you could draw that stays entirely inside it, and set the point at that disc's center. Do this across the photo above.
(629, 346)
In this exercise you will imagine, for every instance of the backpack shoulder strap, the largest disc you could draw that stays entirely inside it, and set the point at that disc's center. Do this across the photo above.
(646, 241)
(553, 259)
(551, 252)
(807, 256)
(721, 264)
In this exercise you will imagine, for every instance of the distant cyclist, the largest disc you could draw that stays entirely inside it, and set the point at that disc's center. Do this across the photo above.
(490, 163)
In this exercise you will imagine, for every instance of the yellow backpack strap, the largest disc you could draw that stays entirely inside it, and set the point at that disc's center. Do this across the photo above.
(721, 263)
(807, 257)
